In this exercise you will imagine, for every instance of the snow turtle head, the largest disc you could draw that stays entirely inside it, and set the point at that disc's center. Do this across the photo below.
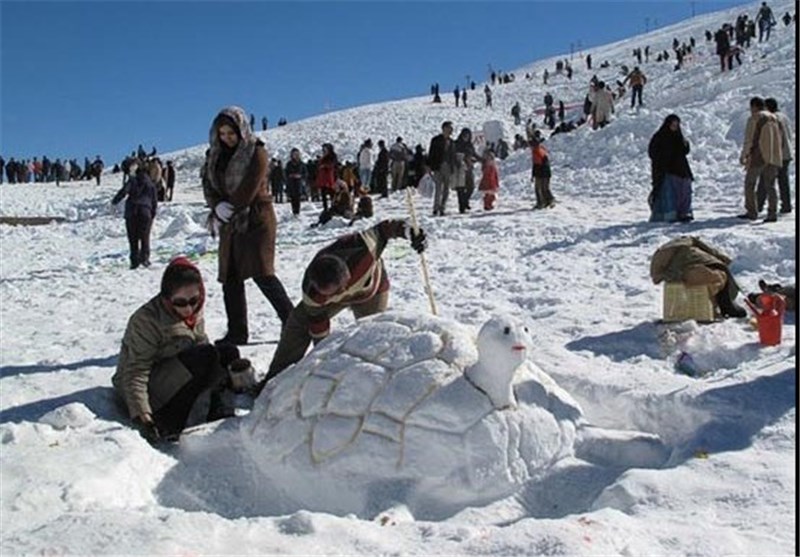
(504, 340)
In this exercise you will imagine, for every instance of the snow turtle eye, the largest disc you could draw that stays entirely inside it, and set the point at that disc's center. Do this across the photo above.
(526, 329)
(507, 330)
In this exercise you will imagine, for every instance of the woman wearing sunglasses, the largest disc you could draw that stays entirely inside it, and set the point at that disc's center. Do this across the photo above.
(166, 362)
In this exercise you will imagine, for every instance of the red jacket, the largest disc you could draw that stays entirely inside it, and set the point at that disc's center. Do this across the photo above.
(326, 173)
(490, 181)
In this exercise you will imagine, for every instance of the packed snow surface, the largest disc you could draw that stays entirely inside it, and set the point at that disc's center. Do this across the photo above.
(76, 479)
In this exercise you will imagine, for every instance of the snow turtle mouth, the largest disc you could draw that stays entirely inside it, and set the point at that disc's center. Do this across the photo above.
(517, 347)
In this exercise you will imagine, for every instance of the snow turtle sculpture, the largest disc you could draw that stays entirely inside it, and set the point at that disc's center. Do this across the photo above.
(413, 410)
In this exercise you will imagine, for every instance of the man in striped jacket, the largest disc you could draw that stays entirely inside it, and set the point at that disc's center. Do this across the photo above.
(349, 273)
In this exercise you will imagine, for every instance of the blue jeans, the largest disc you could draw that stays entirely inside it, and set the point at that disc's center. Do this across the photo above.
(365, 174)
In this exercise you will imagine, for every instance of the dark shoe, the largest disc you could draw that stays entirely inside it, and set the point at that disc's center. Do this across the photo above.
(728, 307)
(134, 266)
(786, 210)
(232, 339)
(771, 218)
(747, 216)
(219, 408)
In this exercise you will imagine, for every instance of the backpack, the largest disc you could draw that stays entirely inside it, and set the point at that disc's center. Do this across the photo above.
(767, 142)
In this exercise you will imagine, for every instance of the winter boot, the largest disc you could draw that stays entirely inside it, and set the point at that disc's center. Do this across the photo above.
(242, 375)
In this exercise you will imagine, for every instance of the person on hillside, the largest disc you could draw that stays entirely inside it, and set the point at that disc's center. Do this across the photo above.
(442, 163)
(588, 61)
(671, 196)
(169, 179)
(490, 180)
(786, 150)
(464, 97)
(381, 170)
(541, 173)
(787, 19)
(457, 95)
(516, 113)
(723, 43)
(235, 188)
(276, 180)
(296, 176)
(602, 106)
(762, 156)
(326, 174)
(264, 123)
(166, 362)
(765, 21)
(341, 204)
(466, 157)
(488, 94)
(2, 169)
(349, 273)
(398, 155)
(96, 169)
(693, 262)
(365, 163)
(637, 80)
(561, 111)
(140, 197)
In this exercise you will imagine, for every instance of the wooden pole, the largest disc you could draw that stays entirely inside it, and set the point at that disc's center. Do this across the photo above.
(424, 263)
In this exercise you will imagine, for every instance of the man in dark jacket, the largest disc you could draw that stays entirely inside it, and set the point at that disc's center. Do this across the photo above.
(296, 176)
(723, 46)
(140, 209)
(169, 175)
(381, 170)
(349, 273)
(442, 162)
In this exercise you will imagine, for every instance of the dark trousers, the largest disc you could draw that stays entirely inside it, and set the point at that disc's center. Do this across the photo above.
(138, 226)
(783, 189)
(295, 337)
(636, 91)
(294, 189)
(326, 194)
(382, 183)
(236, 303)
(208, 366)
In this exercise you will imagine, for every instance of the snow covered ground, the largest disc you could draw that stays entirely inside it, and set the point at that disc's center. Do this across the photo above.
(77, 480)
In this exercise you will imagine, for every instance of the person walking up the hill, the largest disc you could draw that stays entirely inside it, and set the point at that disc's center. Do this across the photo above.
(602, 106)
(235, 179)
(442, 162)
(488, 93)
(636, 79)
(723, 42)
(166, 362)
(457, 94)
(464, 97)
(762, 157)
(140, 209)
(671, 197)
(349, 273)
(765, 21)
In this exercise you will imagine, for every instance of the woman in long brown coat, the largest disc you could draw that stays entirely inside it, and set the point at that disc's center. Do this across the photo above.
(236, 189)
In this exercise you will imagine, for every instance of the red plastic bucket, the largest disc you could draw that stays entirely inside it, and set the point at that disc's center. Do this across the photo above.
(770, 318)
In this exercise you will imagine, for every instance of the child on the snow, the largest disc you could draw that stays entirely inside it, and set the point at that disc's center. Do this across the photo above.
(490, 181)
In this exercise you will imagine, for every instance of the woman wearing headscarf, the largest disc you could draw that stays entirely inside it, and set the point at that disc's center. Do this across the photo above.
(235, 186)
(166, 363)
(671, 197)
(465, 178)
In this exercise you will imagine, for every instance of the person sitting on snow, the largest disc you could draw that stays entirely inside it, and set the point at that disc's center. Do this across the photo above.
(693, 262)
(166, 362)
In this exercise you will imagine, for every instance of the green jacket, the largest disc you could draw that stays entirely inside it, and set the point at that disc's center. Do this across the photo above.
(148, 372)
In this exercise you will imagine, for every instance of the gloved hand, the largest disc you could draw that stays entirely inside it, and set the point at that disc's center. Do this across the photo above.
(147, 428)
(418, 241)
(224, 211)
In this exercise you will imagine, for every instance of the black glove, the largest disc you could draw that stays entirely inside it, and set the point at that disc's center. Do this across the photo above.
(418, 240)
(148, 430)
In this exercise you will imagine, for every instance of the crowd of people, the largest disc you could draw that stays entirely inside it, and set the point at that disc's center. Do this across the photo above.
(24, 171)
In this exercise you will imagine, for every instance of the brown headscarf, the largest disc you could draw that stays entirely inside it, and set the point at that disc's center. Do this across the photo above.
(239, 160)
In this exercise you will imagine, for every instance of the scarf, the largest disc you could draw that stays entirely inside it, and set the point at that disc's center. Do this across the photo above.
(235, 164)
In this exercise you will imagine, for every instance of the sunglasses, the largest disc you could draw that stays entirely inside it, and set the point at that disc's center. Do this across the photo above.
(183, 302)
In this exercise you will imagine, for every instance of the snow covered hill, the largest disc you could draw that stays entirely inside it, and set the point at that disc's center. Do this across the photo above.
(77, 480)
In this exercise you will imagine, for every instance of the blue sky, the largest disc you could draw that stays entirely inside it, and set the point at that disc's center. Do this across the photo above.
(86, 78)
